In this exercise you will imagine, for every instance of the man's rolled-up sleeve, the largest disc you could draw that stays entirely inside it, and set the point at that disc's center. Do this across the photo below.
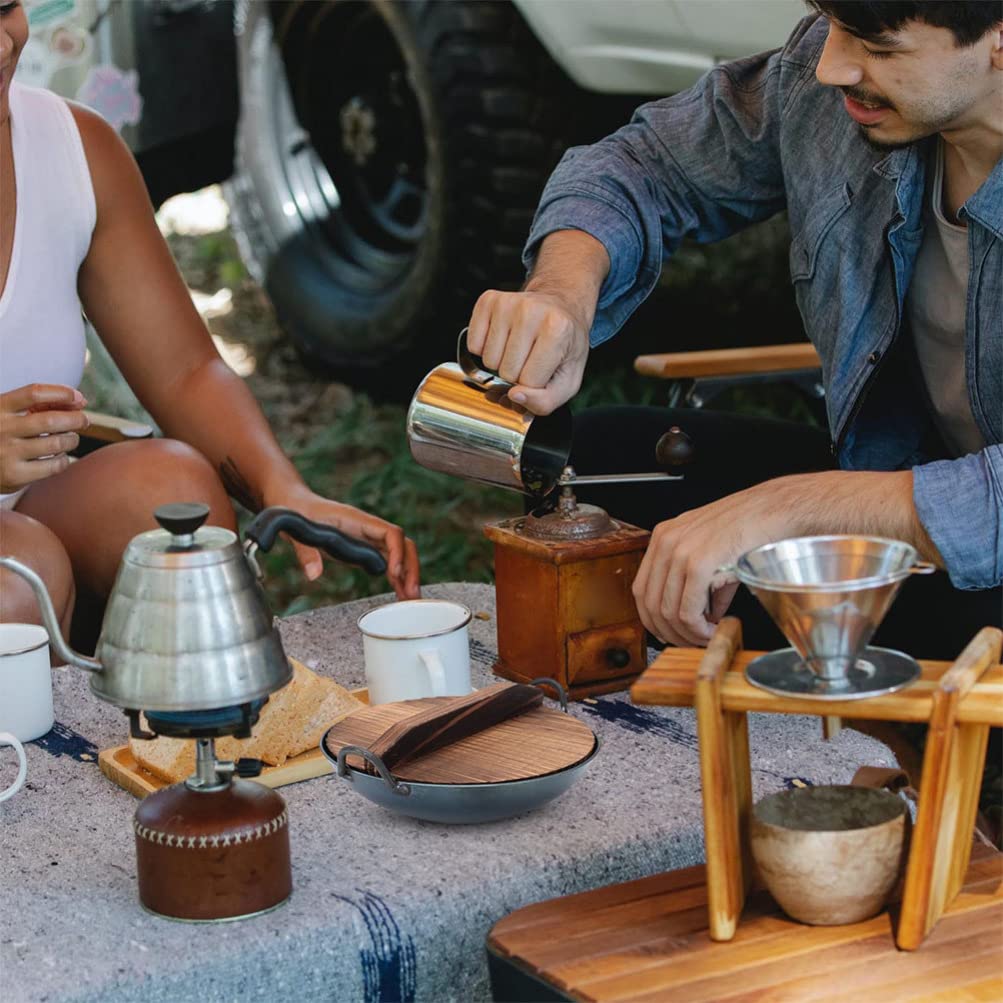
(702, 164)
(960, 503)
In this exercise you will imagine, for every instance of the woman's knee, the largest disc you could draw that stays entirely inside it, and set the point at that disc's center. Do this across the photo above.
(35, 545)
(166, 470)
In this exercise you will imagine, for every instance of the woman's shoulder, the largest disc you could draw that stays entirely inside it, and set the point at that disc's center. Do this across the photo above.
(110, 161)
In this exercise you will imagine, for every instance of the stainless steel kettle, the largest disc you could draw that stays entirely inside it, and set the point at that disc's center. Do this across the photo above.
(187, 625)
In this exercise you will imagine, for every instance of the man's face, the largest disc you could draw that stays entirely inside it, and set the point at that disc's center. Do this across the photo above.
(13, 35)
(907, 84)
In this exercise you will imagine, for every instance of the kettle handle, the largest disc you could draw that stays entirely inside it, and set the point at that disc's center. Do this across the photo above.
(269, 522)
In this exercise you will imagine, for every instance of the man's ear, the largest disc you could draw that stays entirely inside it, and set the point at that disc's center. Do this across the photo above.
(997, 49)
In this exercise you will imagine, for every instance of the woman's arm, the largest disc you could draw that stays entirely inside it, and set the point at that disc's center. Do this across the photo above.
(134, 295)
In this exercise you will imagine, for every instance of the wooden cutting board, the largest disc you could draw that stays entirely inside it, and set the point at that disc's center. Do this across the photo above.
(533, 744)
(120, 767)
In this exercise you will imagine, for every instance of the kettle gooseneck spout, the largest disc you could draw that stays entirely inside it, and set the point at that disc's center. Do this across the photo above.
(49, 618)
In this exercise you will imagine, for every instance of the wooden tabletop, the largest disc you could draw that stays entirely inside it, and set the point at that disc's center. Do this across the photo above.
(646, 941)
(669, 682)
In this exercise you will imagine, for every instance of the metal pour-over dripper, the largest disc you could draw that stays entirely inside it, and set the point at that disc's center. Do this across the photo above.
(828, 595)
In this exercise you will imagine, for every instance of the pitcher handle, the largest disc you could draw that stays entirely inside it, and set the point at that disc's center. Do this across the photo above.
(436, 671)
(22, 769)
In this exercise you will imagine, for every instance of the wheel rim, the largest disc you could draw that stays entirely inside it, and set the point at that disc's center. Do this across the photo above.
(356, 174)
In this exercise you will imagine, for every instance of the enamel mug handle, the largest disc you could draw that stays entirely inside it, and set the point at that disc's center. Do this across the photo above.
(22, 770)
(436, 671)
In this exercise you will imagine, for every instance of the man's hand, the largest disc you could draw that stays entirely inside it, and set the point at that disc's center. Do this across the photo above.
(38, 428)
(538, 339)
(534, 340)
(680, 595)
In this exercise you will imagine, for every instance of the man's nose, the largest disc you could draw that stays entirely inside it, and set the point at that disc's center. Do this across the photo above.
(6, 46)
(839, 65)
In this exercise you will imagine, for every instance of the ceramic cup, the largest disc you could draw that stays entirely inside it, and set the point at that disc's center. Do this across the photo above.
(830, 855)
(22, 764)
(25, 681)
(416, 648)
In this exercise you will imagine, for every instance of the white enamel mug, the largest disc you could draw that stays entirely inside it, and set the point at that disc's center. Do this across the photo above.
(22, 764)
(416, 648)
(25, 681)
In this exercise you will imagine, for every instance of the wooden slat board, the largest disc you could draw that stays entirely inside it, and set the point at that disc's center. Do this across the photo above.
(646, 941)
(535, 743)
(670, 681)
(120, 767)
(729, 361)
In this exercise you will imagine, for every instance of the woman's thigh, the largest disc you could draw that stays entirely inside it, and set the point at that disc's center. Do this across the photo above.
(98, 504)
(28, 541)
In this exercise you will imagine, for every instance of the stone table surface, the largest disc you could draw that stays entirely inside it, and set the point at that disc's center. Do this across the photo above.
(384, 907)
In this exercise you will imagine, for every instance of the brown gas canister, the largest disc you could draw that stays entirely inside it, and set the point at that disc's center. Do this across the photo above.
(214, 854)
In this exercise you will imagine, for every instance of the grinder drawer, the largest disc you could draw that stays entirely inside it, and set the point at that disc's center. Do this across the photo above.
(605, 653)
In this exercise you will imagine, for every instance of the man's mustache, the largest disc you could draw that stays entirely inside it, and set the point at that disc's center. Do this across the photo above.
(858, 94)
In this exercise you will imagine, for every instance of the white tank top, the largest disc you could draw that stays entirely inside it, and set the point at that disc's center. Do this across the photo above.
(41, 324)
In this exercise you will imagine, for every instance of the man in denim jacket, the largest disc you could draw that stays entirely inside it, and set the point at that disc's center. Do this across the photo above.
(879, 128)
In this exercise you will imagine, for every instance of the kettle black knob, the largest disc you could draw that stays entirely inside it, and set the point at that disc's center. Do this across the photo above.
(182, 518)
(674, 448)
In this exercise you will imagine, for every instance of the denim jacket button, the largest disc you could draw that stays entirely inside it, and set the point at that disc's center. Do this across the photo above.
(874, 358)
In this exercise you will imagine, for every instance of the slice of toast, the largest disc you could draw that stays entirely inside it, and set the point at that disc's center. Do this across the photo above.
(170, 759)
(336, 704)
(281, 718)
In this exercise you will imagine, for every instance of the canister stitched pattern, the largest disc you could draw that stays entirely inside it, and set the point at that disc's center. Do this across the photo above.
(211, 842)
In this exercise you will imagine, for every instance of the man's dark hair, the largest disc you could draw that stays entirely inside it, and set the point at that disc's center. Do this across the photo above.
(967, 20)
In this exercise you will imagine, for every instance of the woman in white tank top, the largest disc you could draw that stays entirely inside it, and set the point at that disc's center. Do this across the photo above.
(77, 231)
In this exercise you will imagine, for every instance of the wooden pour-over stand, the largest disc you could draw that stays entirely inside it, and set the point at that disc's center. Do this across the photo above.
(958, 701)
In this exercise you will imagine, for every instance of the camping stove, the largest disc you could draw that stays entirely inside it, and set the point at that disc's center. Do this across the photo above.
(215, 847)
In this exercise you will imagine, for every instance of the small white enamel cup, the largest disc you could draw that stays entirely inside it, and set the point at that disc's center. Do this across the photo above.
(22, 764)
(25, 681)
(416, 648)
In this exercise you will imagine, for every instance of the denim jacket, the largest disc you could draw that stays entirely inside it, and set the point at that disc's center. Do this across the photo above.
(761, 135)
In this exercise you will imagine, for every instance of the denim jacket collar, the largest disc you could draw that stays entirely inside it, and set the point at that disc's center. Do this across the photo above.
(986, 205)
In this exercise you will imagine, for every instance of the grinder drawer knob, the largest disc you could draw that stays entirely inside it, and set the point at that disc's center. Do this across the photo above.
(618, 658)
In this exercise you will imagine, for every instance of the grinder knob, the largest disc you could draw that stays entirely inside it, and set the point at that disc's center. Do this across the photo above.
(674, 449)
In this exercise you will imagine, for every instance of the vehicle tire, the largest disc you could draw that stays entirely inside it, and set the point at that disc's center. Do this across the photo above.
(389, 160)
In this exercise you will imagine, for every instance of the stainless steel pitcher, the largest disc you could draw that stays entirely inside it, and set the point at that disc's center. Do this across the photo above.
(187, 625)
(462, 422)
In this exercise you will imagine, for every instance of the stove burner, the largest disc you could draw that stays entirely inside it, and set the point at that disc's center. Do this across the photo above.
(236, 720)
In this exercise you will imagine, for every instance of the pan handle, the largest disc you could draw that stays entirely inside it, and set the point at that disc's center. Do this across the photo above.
(561, 695)
(395, 785)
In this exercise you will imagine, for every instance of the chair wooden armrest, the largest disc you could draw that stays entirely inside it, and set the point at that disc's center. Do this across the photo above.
(108, 428)
(729, 362)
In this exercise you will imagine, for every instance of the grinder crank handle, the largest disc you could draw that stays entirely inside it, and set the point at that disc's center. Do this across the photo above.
(269, 522)
(674, 449)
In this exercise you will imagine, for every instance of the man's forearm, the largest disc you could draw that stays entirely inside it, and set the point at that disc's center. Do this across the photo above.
(570, 264)
(866, 503)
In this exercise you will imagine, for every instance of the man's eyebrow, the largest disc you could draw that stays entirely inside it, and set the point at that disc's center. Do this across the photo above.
(884, 39)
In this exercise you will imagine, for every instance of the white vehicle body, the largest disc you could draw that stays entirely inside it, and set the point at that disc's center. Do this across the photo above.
(651, 46)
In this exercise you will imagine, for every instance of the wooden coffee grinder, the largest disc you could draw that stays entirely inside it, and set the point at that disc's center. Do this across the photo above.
(563, 585)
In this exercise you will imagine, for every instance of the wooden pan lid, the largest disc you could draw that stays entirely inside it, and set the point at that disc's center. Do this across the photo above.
(535, 743)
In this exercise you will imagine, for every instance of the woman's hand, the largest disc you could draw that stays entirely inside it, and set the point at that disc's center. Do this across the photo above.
(403, 571)
(38, 428)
